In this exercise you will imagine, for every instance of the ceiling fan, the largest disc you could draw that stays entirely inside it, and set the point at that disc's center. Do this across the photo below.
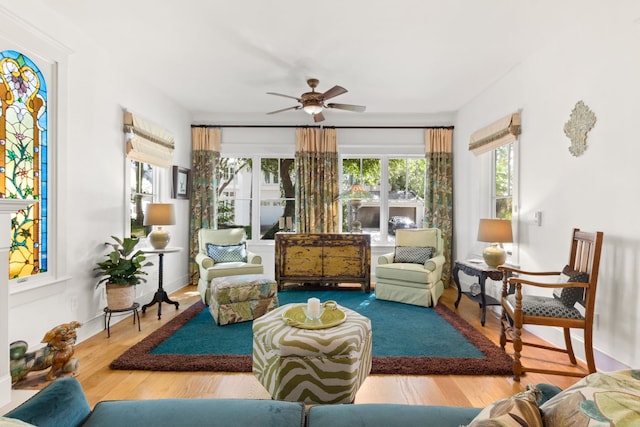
(313, 102)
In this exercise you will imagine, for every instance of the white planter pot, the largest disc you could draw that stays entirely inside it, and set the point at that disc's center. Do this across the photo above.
(120, 297)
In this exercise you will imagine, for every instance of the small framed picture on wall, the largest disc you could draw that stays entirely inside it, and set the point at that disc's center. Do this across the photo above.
(181, 183)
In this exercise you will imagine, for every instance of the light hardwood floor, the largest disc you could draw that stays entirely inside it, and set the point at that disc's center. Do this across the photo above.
(102, 383)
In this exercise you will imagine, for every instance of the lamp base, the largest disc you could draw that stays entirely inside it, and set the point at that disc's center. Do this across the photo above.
(494, 255)
(159, 238)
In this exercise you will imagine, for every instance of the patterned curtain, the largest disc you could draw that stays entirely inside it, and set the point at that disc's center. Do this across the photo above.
(438, 210)
(317, 178)
(205, 149)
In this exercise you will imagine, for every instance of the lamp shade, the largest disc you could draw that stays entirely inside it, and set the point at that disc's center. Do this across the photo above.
(495, 231)
(160, 214)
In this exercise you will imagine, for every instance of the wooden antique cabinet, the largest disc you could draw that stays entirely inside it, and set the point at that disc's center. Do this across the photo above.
(323, 258)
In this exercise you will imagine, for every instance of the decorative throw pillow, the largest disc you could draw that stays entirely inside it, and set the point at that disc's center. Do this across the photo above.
(520, 410)
(227, 253)
(414, 254)
(602, 399)
(569, 296)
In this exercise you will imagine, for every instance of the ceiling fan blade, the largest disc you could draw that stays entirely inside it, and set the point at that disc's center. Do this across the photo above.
(297, 107)
(333, 92)
(348, 107)
(286, 96)
(318, 117)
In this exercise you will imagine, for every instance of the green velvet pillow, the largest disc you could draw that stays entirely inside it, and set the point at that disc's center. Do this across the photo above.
(61, 403)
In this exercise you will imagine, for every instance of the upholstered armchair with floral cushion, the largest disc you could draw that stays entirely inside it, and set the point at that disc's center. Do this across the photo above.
(412, 273)
(223, 253)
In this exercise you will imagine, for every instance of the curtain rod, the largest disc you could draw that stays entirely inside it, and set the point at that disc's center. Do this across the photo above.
(329, 127)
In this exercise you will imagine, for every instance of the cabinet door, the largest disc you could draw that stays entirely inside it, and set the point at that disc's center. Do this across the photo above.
(344, 256)
(301, 257)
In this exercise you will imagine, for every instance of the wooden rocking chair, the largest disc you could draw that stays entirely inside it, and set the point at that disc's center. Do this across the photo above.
(577, 284)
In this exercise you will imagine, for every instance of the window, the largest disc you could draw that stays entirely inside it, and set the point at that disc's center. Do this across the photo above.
(396, 188)
(503, 166)
(361, 213)
(407, 183)
(503, 190)
(277, 194)
(141, 195)
(234, 192)
(24, 161)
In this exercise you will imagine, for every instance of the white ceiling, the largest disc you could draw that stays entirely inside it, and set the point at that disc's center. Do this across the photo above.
(402, 56)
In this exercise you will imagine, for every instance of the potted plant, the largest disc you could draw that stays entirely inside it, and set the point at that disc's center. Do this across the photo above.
(122, 271)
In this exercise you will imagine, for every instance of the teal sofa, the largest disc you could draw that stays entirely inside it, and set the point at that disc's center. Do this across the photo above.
(63, 404)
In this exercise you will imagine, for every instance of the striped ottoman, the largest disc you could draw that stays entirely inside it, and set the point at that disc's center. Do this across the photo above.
(242, 298)
(312, 365)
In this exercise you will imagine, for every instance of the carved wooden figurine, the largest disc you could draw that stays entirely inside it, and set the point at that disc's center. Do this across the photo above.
(56, 355)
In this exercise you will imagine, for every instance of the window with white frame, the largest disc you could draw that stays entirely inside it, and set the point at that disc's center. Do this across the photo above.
(395, 199)
(503, 167)
(234, 192)
(407, 184)
(360, 194)
(141, 178)
(503, 174)
(277, 195)
(394, 196)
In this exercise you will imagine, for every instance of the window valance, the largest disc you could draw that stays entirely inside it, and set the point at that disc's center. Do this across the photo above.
(147, 142)
(498, 133)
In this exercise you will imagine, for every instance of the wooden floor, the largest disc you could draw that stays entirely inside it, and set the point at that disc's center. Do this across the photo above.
(101, 383)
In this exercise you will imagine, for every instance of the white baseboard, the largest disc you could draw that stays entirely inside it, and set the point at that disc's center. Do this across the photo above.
(5, 389)
(555, 336)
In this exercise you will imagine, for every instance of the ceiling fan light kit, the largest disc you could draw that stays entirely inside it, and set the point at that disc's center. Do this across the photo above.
(313, 102)
(312, 108)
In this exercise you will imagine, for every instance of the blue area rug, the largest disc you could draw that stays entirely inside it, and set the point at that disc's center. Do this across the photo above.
(407, 340)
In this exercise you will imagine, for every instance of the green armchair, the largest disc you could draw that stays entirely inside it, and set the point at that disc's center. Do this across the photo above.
(412, 274)
(223, 253)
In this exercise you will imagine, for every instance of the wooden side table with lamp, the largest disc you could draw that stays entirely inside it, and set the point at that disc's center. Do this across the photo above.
(160, 214)
(495, 231)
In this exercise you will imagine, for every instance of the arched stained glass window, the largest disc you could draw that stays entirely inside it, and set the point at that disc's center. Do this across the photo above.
(23, 159)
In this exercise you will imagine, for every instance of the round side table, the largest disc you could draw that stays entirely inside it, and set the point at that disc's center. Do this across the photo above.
(108, 312)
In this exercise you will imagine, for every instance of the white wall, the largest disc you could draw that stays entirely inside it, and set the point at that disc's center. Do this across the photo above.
(90, 172)
(598, 63)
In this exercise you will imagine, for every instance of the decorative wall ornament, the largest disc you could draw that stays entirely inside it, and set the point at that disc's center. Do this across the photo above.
(580, 122)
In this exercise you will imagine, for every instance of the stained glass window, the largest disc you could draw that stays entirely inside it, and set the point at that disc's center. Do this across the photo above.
(23, 159)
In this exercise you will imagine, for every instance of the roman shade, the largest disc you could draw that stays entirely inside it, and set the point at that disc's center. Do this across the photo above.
(147, 142)
(495, 135)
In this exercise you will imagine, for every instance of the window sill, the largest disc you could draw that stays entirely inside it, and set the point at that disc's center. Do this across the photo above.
(22, 293)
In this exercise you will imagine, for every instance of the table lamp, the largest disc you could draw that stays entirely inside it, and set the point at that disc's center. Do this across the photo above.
(159, 214)
(495, 231)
